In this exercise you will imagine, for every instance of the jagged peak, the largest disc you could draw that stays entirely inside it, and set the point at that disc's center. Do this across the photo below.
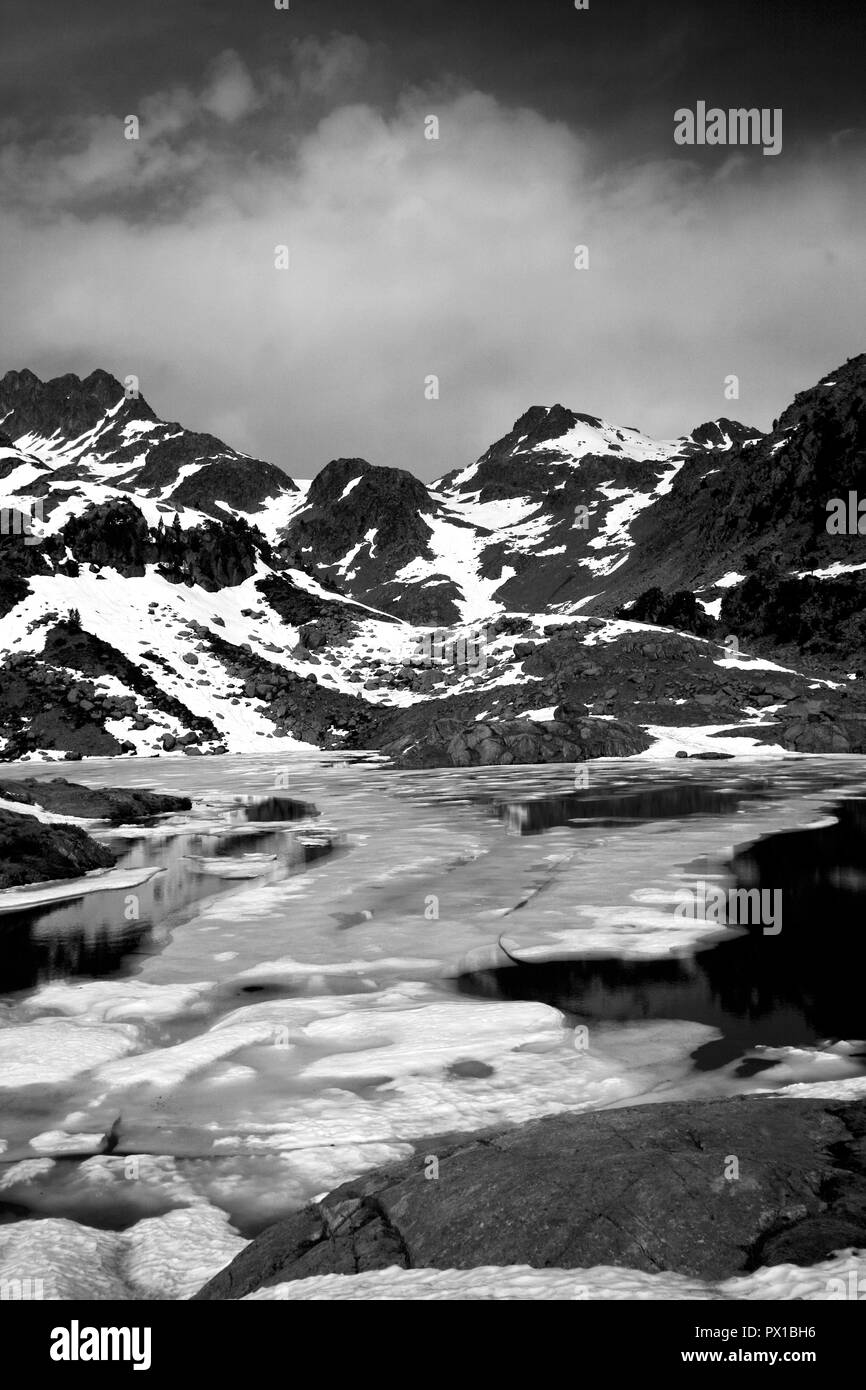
(14, 380)
(330, 484)
(723, 432)
(67, 402)
(105, 387)
(548, 421)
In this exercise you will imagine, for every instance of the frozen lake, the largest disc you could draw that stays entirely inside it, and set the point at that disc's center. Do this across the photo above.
(250, 1044)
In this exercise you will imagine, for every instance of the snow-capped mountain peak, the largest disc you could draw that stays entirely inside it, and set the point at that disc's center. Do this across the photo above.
(168, 587)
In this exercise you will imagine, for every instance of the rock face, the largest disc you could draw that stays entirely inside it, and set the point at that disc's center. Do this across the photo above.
(761, 498)
(824, 618)
(18, 563)
(644, 1188)
(31, 852)
(122, 806)
(822, 735)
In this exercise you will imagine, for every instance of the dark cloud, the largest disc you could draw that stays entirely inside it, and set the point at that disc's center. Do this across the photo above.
(412, 257)
(618, 67)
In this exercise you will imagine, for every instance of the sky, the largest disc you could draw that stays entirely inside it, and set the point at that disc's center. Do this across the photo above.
(411, 258)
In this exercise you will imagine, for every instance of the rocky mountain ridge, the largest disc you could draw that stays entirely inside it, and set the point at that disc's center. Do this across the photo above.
(580, 590)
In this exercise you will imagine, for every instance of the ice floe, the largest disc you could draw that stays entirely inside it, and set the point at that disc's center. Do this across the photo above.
(110, 1001)
(49, 1051)
(62, 890)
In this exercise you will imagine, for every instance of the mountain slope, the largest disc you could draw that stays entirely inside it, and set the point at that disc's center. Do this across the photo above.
(769, 497)
(74, 438)
(533, 524)
(160, 591)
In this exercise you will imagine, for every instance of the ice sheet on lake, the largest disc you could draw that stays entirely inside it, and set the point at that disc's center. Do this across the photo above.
(50, 1051)
(632, 933)
(111, 1001)
(297, 1077)
(256, 1103)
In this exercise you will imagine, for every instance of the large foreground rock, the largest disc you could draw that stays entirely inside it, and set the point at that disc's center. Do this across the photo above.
(31, 852)
(650, 1188)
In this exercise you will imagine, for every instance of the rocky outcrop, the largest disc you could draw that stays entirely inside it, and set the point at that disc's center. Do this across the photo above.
(485, 743)
(679, 610)
(710, 1189)
(111, 534)
(18, 560)
(774, 611)
(321, 622)
(667, 679)
(722, 433)
(217, 555)
(823, 735)
(31, 852)
(595, 690)
(120, 805)
(214, 555)
(51, 701)
(43, 706)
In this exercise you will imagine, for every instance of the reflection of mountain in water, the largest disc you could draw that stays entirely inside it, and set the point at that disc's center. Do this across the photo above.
(625, 806)
(797, 988)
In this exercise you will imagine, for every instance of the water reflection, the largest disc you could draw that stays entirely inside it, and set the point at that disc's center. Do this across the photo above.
(627, 805)
(799, 987)
(99, 934)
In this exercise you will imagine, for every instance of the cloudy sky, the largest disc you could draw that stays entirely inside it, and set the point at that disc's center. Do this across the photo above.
(411, 257)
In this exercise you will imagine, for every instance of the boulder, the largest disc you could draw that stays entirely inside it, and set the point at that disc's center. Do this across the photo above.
(815, 736)
(32, 852)
(649, 1188)
(121, 805)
